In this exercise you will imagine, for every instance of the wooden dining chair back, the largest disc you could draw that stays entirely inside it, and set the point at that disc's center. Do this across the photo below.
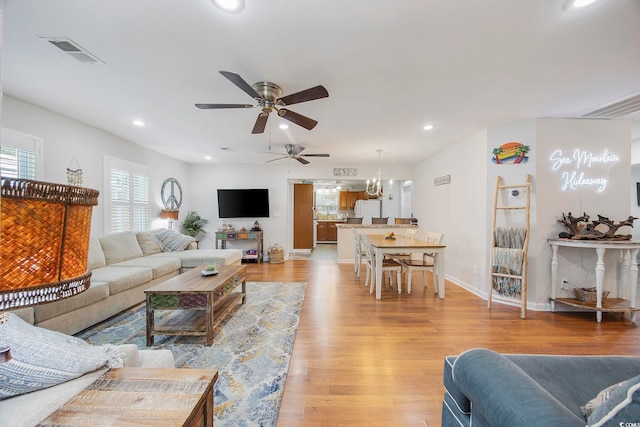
(353, 220)
(379, 220)
(409, 233)
(425, 264)
(403, 220)
(388, 265)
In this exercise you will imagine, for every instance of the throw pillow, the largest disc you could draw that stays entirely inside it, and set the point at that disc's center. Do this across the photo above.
(42, 358)
(148, 243)
(591, 405)
(622, 406)
(172, 241)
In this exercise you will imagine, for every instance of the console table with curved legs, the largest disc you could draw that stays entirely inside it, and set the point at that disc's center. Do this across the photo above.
(628, 277)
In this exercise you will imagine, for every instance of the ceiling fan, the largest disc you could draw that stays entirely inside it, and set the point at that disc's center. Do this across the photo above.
(267, 95)
(293, 152)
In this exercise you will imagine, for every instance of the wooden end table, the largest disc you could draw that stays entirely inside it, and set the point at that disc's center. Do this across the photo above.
(141, 396)
(199, 303)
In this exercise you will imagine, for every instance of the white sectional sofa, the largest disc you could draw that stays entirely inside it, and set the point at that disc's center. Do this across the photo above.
(54, 367)
(123, 266)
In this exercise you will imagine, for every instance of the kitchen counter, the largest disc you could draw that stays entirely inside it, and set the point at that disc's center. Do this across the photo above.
(375, 225)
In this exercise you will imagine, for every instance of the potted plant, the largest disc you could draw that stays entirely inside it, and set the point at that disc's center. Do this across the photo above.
(193, 224)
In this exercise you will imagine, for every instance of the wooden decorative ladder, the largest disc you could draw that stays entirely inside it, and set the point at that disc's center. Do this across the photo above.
(499, 204)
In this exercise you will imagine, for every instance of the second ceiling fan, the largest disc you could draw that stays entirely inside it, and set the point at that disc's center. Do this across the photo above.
(293, 152)
(268, 96)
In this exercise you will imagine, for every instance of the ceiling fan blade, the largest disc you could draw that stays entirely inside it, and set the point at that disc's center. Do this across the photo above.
(298, 119)
(271, 152)
(216, 106)
(261, 123)
(279, 158)
(315, 155)
(301, 160)
(239, 81)
(310, 94)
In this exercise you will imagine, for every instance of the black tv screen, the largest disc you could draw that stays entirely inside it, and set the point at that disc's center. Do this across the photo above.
(243, 203)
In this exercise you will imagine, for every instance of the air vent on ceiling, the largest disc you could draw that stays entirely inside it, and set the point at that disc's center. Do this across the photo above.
(624, 108)
(72, 48)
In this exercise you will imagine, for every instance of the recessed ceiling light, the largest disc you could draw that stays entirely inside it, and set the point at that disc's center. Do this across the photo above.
(207, 157)
(231, 6)
(428, 127)
(284, 126)
(138, 123)
(577, 4)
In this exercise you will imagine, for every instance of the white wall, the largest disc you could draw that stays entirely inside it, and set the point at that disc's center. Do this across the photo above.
(613, 202)
(65, 139)
(457, 209)
(523, 132)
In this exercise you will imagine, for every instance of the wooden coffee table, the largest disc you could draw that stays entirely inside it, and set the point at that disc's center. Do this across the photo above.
(142, 396)
(199, 303)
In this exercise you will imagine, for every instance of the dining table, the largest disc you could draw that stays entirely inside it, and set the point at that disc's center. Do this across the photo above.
(382, 246)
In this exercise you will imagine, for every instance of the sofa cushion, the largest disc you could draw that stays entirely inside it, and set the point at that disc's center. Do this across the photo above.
(148, 243)
(96, 292)
(120, 279)
(42, 358)
(576, 388)
(120, 247)
(96, 255)
(160, 266)
(172, 241)
(622, 406)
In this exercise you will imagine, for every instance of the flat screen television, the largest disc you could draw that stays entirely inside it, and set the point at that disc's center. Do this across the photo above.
(243, 203)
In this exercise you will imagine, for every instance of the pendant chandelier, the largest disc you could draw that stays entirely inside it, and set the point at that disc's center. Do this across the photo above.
(374, 187)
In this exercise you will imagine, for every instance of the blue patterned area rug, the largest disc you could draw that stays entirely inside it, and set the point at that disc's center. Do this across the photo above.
(251, 350)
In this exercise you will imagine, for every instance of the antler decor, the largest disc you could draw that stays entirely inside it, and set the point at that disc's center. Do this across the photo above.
(581, 229)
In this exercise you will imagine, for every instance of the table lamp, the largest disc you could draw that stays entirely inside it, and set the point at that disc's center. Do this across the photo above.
(170, 215)
(44, 244)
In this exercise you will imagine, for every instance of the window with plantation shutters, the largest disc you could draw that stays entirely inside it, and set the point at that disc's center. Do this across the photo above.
(127, 201)
(20, 155)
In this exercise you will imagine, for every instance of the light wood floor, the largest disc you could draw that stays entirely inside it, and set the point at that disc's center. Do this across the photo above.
(358, 361)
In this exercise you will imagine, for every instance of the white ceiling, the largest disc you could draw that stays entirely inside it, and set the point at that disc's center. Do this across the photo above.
(389, 66)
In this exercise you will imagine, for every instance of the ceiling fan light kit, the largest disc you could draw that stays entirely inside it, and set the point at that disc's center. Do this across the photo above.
(268, 97)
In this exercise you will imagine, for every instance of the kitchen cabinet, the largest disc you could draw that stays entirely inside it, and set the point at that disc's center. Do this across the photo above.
(348, 198)
(326, 231)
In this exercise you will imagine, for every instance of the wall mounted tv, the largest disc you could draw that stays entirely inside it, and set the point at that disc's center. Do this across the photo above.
(243, 203)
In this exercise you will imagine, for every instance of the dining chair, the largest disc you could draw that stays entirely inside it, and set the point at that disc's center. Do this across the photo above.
(388, 265)
(379, 220)
(426, 263)
(360, 251)
(354, 220)
(409, 233)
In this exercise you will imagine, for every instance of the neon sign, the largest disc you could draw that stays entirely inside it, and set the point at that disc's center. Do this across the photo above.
(579, 164)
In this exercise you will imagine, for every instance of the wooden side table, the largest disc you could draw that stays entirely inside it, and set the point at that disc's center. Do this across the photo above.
(142, 397)
(629, 249)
